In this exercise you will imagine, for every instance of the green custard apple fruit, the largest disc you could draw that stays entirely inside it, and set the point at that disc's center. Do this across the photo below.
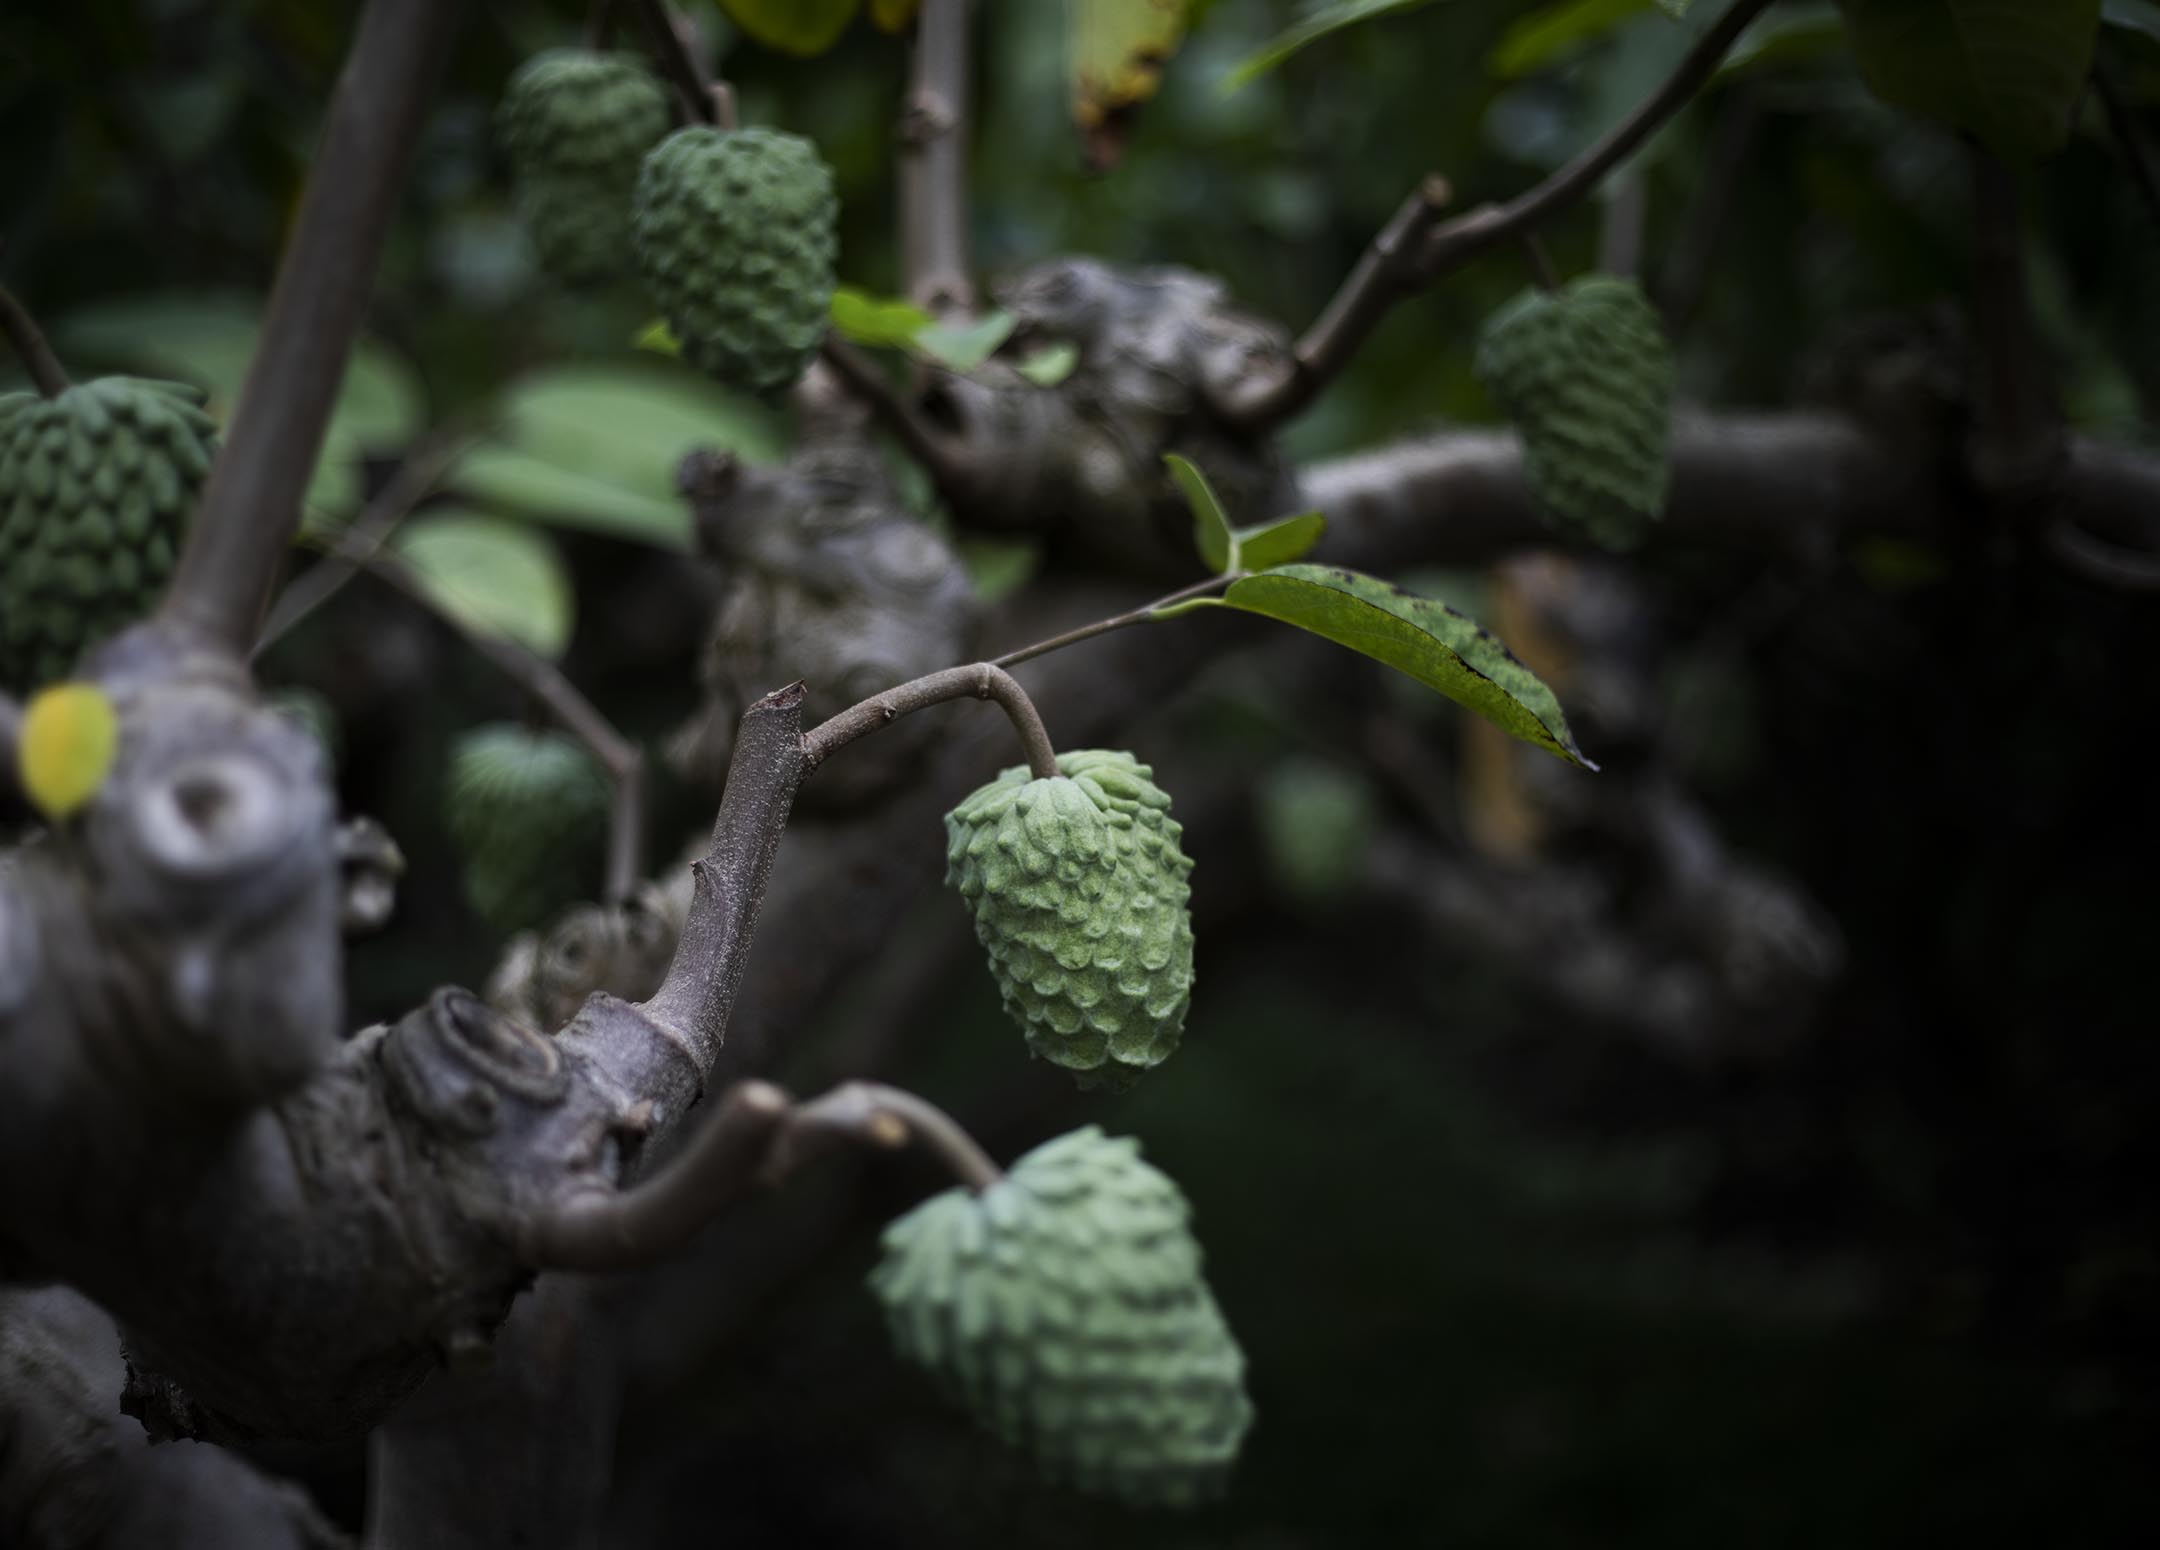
(575, 123)
(528, 812)
(96, 486)
(736, 240)
(1586, 375)
(1064, 1305)
(1079, 891)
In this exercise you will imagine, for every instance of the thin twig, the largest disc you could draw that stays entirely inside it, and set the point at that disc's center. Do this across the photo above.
(413, 482)
(947, 466)
(933, 163)
(251, 505)
(703, 98)
(1542, 273)
(575, 714)
(2136, 154)
(46, 372)
(1377, 285)
(978, 680)
(1141, 615)
(870, 1113)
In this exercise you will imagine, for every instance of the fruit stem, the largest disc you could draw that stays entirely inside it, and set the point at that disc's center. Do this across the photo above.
(978, 680)
(704, 99)
(29, 341)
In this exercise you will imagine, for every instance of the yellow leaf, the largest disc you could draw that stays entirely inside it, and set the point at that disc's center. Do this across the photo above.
(892, 15)
(70, 733)
(1119, 48)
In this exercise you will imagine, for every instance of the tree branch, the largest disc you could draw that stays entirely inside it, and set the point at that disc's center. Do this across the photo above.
(1384, 276)
(251, 506)
(704, 99)
(623, 760)
(979, 680)
(46, 373)
(933, 163)
(1144, 614)
(728, 882)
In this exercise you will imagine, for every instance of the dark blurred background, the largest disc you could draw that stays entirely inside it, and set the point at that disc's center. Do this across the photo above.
(1584, 1228)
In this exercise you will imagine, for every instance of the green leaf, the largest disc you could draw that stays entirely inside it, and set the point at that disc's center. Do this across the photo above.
(1000, 567)
(209, 340)
(1676, 9)
(964, 346)
(2008, 71)
(880, 322)
(801, 27)
(1279, 542)
(494, 577)
(1427, 640)
(1051, 364)
(1212, 534)
(657, 337)
(1327, 19)
(1548, 34)
(596, 447)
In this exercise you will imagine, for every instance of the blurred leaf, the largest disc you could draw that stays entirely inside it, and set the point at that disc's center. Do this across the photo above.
(209, 340)
(2009, 73)
(1000, 567)
(657, 337)
(1788, 34)
(2136, 15)
(877, 321)
(1117, 50)
(596, 447)
(964, 346)
(494, 577)
(892, 15)
(1212, 536)
(1051, 364)
(1267, 544)
(1545, 35)
(1316, 825)
(1676, 9)
(1327, 19)
(1427, 640)
(64, 747)
(803, 27)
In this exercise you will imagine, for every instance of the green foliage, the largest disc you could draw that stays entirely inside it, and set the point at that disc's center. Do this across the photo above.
(1586, 375)
(1051, 364)
(1077, 884)
(736, 238)
(1115, 52)
(1211, 529)
(95, 490)
(1268, 544)
(527, 811)
(494, 577)
(209, 340)
(804, 27)
(1324, 19)
(1427, 640)
(1554, 32)
(576, 123)
(877, 321)
(1224, 548)
(596, 447)
(2009, 73)
(1066, 1308)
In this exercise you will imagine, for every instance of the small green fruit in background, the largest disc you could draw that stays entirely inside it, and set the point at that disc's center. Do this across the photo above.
(1065, 1307)
(1586, 375)
(1079, 891)
(1316, 827)
(736, 233)
(575, 124)
(96, 486)
(528, 811)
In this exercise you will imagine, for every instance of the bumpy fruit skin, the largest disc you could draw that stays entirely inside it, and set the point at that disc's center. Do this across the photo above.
(736, 233)
(528, 813)
(1586, 375)
(575, 124)
(1065, 1307)
(95, 490)
(1079, 891)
